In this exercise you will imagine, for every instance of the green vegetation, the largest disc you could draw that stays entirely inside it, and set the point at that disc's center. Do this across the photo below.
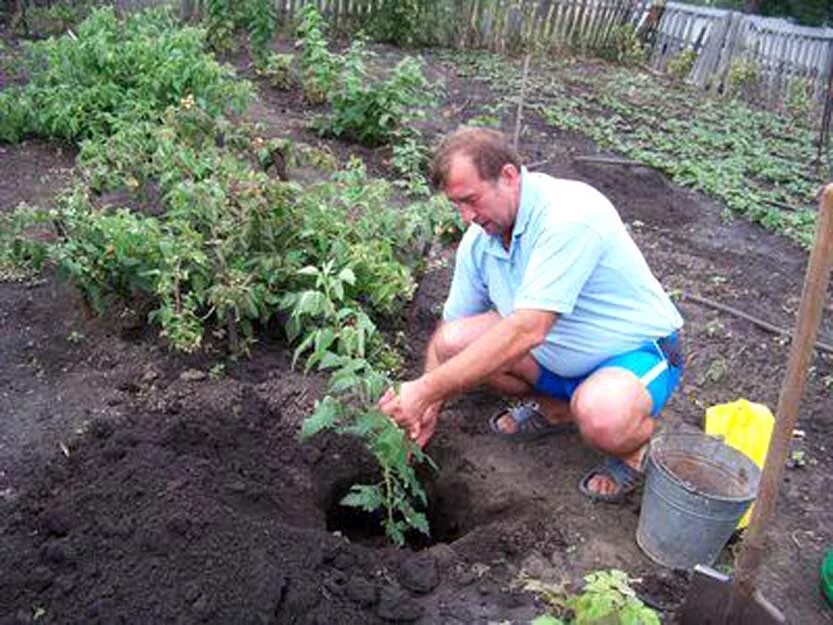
(606, 599)
(224, 18)
(112, 74)
(414, 22)
(367, 109)
(211, 237)
(757, 163)
(681, 65)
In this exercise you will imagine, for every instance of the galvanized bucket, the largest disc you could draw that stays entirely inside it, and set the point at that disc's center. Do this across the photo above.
(696, 490)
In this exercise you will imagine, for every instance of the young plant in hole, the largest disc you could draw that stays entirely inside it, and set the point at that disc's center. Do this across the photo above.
(341, 338)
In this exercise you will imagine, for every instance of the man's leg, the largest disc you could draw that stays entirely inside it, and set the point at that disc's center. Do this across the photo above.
(613, 411)
(517, 380)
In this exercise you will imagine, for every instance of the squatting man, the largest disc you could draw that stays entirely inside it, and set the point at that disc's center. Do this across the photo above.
(551, 301)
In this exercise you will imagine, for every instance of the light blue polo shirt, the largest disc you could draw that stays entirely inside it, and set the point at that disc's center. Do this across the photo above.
(571, 254)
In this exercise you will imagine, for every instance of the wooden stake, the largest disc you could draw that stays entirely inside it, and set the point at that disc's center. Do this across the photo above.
(519, 116)
(809, 315)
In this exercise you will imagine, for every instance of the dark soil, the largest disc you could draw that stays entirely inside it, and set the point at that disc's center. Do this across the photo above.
(138, 486)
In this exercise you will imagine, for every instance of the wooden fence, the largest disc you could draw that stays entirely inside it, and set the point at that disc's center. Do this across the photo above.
(499, 24)
(780, 53)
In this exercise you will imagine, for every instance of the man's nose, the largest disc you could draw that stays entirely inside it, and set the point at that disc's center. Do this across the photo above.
(467, 214)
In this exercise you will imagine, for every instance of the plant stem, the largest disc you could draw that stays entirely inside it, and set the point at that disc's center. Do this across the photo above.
(388, 494)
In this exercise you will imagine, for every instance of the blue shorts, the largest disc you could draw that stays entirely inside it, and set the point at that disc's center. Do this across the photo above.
(657, 364)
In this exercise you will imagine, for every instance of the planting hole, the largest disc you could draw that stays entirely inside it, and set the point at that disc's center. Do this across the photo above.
(448, 516)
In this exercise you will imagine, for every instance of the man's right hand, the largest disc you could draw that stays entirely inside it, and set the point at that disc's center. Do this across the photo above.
(407, 410)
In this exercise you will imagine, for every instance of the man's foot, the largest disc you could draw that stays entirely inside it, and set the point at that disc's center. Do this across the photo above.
(526, 422)
(612, 480)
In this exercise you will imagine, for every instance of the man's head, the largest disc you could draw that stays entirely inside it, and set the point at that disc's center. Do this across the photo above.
(480, 173)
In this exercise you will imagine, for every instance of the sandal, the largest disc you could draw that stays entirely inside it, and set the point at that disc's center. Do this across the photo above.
(530, 424)
(626, 478)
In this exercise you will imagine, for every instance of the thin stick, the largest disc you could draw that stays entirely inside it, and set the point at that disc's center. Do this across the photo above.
(758, 322)
(610, 160)
(521, 103)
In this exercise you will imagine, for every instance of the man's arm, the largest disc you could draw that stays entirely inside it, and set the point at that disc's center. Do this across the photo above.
(509, 339)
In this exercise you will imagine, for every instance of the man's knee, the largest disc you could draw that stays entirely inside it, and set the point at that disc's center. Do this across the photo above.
(449, 340)
(610, 407)
(452, 337)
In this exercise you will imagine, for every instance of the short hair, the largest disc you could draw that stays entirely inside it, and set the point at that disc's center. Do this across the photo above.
(489, 150)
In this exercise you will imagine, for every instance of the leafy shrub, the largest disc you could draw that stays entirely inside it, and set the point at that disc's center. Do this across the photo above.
(278, 71)
(319, 67)
(220, 25)
(113, 73)
(262, 21)
(680, 66)
(410, 22)
(744, 78)
(410, 160)
(341, 338)
(799, 101)
(623, 46)
(372, 110)
(363, 108)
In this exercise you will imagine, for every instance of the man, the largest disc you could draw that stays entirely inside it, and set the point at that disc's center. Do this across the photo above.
(550, 300)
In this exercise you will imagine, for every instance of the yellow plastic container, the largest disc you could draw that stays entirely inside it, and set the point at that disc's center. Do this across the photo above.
(747, 427)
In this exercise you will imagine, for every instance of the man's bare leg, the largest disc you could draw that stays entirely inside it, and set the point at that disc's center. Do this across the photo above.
(613, 411)
(612, 407)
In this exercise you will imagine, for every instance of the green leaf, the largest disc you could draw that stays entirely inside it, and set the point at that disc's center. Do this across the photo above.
(347, 275)
(327, 413)
(309, 270)
(364, 496)
(304, 346)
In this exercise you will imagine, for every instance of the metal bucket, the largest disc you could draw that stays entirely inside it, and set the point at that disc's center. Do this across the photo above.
(696, 490)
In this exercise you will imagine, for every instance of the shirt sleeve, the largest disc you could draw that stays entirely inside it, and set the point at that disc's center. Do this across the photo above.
(468, 294)
(561, 261)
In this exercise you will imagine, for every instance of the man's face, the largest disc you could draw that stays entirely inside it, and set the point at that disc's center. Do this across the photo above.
(491, 204)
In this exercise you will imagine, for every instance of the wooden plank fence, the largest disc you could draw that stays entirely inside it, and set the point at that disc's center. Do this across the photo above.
(499, 25)
(780, 52)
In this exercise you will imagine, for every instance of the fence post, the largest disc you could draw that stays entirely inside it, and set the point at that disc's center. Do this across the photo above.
(727, 53)
(824, 134)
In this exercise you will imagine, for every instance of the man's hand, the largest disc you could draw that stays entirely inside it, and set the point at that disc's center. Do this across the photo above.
(412, 409)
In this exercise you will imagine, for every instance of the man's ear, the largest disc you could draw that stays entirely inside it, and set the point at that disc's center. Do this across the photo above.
(509, 173)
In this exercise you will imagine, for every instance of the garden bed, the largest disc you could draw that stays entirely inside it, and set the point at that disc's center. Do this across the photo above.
(141, 486)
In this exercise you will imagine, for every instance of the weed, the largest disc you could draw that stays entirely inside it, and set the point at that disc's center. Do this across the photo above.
(607, 597)
(717, 370)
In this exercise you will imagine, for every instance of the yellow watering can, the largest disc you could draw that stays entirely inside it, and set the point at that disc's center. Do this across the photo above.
(747, 427)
